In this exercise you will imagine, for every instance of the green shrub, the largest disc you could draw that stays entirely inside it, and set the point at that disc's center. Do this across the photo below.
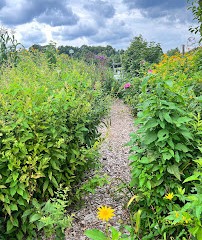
(190, 213)
(165, 146)
(48, 136)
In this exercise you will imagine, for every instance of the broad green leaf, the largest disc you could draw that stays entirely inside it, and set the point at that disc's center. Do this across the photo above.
(173, 169)
(15, 222)
(144, 160)
(115, 234)
(50, 191)
(167, 117)
(20, 235)
(35, 203)
(177, 156)
(2, 197)
(167, 155)
(14, 207)
(27, 213)
(183, 119)
(24, 228)
(199, 232)
(141, 181)
(7, 207)
(15, 176)
(151, 123)
(53, 163)
(21, 201)
(150, 137)
(60, 156)
(186, 134)
(20, 191)
(192, 178)
(53, 180)
(198, 211)
(35, 217)
(40, 225)
(95, 234)
(163, 134)
(26, 195)
(181, 147)
(45, 185)
(9, 225)
(156, 183)
(149, 184)
(170, 142)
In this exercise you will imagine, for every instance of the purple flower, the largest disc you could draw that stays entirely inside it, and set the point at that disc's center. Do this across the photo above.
(150, 71)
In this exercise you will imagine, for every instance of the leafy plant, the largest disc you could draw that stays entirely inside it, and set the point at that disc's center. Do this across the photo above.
(164, 147)
(196, 8)
(8, 46)
(189, 215)
(138, 51)
(48, 136)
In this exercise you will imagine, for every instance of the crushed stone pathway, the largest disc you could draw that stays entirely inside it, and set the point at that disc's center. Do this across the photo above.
(115, 164)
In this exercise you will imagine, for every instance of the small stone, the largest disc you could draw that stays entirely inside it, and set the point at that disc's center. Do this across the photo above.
(89, 217)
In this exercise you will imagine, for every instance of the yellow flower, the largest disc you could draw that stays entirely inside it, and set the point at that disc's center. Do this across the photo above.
(169, 196)
(191, 96)
(105, 213)
(177, 214)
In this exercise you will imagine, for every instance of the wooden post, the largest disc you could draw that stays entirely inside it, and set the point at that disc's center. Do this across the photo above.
(183, 49)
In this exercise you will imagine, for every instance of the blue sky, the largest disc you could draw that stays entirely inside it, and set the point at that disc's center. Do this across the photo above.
(97, 22)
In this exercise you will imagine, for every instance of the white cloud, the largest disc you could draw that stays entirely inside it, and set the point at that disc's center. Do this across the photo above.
(97, 22)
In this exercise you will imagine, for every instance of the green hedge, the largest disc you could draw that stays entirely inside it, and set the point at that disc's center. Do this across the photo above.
(48, 135)
(166, 147)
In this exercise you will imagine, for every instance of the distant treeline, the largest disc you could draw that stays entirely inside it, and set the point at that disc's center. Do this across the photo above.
(85, 52)
(138, 51)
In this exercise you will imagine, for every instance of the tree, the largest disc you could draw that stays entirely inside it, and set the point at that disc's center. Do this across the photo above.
(140, 50)
(196, 7)
(173, 51)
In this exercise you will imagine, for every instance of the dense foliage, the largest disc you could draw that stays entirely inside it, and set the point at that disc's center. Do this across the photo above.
(87, 53)
(173, 51)
(166, 146)
(49, 113)
(196, 7)
(138, 52)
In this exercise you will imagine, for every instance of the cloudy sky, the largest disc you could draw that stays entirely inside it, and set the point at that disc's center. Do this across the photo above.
(97, 22)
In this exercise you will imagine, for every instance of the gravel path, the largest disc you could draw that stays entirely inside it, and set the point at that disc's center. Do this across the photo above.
(115, 164)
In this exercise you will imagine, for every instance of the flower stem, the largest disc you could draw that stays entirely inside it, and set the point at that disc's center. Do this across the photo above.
(107, 231)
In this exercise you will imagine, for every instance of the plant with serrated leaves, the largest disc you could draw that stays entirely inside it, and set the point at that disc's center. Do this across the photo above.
(91, 184)
(189, 214)
(48, 136)
(165, 145)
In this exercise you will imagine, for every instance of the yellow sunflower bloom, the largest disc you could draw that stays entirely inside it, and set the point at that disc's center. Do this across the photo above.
(105, 213)
(169, 196)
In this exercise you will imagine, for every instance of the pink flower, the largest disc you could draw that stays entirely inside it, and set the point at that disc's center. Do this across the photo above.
(150, 71)
(127, 85)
